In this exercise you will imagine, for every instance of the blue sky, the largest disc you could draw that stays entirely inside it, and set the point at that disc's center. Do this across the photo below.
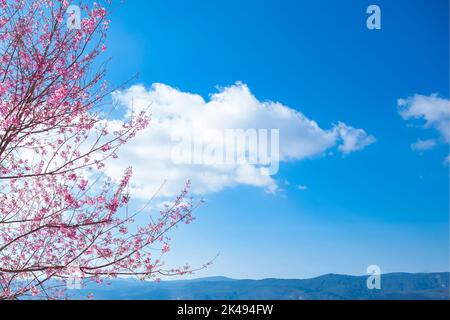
(386, 204)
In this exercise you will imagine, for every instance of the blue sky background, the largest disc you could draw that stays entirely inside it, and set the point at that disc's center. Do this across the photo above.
(385, 205)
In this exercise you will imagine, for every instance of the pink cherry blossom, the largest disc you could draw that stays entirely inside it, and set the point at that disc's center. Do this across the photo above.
(59, 216)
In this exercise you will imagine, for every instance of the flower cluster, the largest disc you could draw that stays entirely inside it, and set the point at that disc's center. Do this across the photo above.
(59, 217)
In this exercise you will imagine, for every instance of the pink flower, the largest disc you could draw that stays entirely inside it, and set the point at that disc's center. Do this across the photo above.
(34, 291)
(165, 248)
(83, 184)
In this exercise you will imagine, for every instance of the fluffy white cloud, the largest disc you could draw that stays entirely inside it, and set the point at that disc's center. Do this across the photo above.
(433, 111)
(177, 116)
(423, 145)
(352, 139)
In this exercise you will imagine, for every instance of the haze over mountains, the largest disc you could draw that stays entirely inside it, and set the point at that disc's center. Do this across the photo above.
(395, 286)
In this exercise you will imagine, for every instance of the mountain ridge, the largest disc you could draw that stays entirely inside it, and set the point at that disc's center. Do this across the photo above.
(395, 286)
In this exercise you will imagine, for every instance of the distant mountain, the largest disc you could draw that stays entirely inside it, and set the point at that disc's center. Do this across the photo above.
(395, 286)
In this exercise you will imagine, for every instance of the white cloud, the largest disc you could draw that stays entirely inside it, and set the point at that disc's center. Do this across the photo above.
(176, 115)
(353, 139)
(433, 110)
(302, 188)
(423, 145)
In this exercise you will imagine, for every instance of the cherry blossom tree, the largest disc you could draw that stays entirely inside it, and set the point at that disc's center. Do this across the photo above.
(60, 216)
